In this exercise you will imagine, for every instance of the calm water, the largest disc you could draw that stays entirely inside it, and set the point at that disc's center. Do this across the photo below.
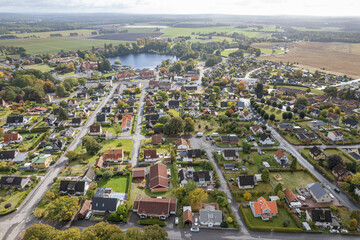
(141, 60)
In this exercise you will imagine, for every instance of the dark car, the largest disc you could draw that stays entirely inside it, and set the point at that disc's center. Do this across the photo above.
(337, 190)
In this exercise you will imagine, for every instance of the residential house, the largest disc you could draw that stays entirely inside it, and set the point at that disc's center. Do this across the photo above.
(340, 172)
(286, 126)
(317, 154)
(48, 98)
(291, 199)
(350, 123)
(306, 136)
(103, 201)
(156, 139)
(51, 120)
(333, 117)
(12, 138)
(76, 188)
(106, 110)
(266, 139)
(126, 122)
(319, 194)
(95, 129)
(17, 182)
(256, 129)
(264, 209)
(202, 178)
(240, 106)
(336, 136)
(41, 161)
(210, 216)
(89, 175)
(101, 118)
(230, 139)
(173, 104)
(73, 103)
(230, 155)
(192, 155)
(8, 155)
(187, 215)
(85, 208)
(113, 155)
(158, 179)
(322, 218)
(139, 173)
(150, 155)
(224, 105)
(75, 121)
(160, 208)
(16, 121)
(315, 113)
(182, 174)
(316, 125)
(69, 132)
(182, 144)
(281, 157)
(246, 181)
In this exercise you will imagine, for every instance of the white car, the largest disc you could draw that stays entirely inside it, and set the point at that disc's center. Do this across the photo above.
(200, 134)
(88, 215)
(334, 231)
(195, 229)
(196, 223)
(176, 221)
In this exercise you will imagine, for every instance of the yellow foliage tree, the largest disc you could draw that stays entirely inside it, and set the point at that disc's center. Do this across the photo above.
(247, 196)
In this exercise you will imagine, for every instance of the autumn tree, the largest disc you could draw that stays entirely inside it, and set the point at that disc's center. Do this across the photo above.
(196, 197)
(62, 208)
(247, 196)
(155, 232)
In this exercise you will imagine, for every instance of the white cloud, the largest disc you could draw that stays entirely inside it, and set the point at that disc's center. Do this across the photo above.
(243, 7)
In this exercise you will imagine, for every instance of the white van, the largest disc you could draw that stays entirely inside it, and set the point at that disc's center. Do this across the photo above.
(215, 135)
(200, 134)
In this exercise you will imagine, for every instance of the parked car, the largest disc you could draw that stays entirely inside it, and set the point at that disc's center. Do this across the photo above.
(337, 190)
(196, 222)
(215, 135)
(344, 231)
(334, 231)
(195, 229)
(230, 179)
(88, 215)
(176, 221)
(200, 134)
(235, 169)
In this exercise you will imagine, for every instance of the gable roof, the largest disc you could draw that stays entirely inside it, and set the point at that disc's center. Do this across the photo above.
(8, 154)
(15, 119)
(315, 151)
(69, 186)
(194, 153)
(181, 141)
(320, 215)
(229, 153)
(156, 139)
(246, 180)
(279, 154)
(155, 206)
(261, 204)
(90, 173)
(158, 176)
(187, 216)
(201, 176)
(290, 196)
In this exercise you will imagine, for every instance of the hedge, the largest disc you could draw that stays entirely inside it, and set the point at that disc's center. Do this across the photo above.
(151, 222)
(329, 176)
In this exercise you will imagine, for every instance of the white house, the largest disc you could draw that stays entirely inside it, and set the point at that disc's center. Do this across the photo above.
(319, 194)
(336, 136)
(256, 129)
(266, 139)
(210, 217)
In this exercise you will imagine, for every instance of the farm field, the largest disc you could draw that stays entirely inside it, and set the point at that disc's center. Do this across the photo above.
(336, 58)
(54, 45)
(127, 36)
(65, 33)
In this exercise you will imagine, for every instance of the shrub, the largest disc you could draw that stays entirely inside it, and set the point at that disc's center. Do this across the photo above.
(151, 222)
(224, 224)
(8, 205)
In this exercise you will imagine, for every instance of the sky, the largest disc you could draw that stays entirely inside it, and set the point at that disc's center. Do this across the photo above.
(238, 7)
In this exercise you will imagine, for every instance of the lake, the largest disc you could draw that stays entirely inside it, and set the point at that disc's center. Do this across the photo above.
(141, 60)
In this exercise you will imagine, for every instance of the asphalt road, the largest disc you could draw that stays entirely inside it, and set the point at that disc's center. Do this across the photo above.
(15, 223)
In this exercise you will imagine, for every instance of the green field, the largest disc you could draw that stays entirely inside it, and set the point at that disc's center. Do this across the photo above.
(138, 30)
(270, 50)
(41, 67)
(65, 33)
(117, 183)
(249, 32)
(226, 52)
(55, 45)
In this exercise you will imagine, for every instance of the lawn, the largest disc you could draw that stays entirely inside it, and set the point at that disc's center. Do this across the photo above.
(267, 156)
(278, 113)
(293, 139)
(226, 52)
(14, 198)
(270, 50)
(25, 145)
(173, 112)
(276, 221)
(41, 67)
(74, 171)
(117, 183)
(333, 151)
(207, 127)
(55, 45)
(4, 113)
(292, 180)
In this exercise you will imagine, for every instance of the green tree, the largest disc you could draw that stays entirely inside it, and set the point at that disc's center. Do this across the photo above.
(353, 223)
(155, 232)
(293, 165)
(190, 186)
(302, 114)
(91, 145)
(259, 89)
(63, 114)
(266, 116)
(102, 231)
(265, 175)
(278, 188)
(62, 208)
(40, 232)
(72, 156)
(189, 125)
(281, 195)
(164, 96)
(60, 91)
(117, 128)
(272, 117)
(134, 234)
(284, 115)
(174, 126)
(355, 179)
(301, 101)
(108, 174)
(246, 147)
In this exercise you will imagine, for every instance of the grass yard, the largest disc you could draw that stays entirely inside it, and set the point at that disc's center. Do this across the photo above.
(276, 221)
(212, 126)
(333, 151)
(55, 45)
(257, 159)
(14, 198)
(117, 183)
(41, 67)
(278, 113)
(226, 52)
(292, 180)
(74, 171)
(173, 112)
(5, 112)
(270, 50)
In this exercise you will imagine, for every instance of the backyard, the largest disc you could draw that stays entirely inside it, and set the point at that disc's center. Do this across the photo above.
(117, 183)
(292, 180)
(13, 198)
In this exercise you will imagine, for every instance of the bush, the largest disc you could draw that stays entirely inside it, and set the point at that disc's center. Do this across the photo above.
(8, 205)
(224, 224)
(151, 222)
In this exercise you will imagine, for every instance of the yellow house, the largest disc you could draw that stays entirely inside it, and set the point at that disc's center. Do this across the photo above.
(42, 161)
